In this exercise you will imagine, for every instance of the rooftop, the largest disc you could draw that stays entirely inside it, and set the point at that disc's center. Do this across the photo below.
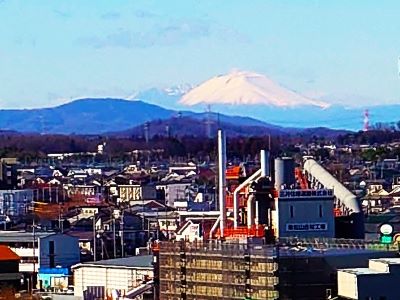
(142, 261)
(371, 271)
(361, 271)
(22, 236)
(7, 254)
(389, 260)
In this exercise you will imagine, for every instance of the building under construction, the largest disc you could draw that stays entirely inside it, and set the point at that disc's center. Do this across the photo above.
(290, 269)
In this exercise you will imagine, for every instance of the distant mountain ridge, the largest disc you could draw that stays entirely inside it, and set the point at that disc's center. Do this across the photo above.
(101, 115)
(201, 125)
(83, 116)
(105, 115)
(119, 116)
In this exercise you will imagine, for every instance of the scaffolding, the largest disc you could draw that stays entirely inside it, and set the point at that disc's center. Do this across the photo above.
(214, 270)
(290, 269)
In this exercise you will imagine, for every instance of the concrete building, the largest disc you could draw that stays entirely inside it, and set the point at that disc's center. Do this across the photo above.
(305, 213)
(120, 274)
(380, 281)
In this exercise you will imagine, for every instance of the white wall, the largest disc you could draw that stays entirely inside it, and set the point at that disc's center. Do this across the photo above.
(347, 285)
(111, 278)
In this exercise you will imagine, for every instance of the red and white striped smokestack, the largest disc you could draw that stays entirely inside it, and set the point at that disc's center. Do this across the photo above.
(221, 179)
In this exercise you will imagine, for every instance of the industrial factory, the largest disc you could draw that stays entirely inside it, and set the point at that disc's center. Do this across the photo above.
(281, 232)
(278, 200)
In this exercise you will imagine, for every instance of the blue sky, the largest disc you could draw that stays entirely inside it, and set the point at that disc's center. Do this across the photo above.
(53, 51)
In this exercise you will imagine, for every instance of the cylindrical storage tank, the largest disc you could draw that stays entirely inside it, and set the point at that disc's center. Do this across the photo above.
(284, 173)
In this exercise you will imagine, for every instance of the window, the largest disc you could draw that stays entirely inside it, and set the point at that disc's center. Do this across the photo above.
(320, 211)
(291, 209)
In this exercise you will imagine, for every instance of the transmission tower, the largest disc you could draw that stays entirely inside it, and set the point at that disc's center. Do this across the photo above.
(208, 121)
(366, 121)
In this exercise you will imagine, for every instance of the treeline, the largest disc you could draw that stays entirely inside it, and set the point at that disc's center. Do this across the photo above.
(33, 146)
(159, 147)
(370, 137)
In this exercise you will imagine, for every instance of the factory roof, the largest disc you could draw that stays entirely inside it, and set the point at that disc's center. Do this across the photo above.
(141, 262)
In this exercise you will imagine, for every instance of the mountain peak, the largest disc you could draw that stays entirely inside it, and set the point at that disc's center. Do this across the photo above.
(246, 88)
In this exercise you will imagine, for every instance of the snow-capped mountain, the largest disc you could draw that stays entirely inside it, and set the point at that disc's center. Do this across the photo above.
(168, 96)
(178, 90)
(246, 88)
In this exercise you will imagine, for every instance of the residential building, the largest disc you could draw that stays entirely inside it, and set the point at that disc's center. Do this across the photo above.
(174, 192)
(14, 203)
(41, 250)
(8, 173)
(136, 192)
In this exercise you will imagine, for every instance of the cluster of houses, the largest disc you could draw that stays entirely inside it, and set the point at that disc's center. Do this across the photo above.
(58, 218)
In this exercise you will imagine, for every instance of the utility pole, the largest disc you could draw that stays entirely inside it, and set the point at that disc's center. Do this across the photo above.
(34, 255)
(94, 237)
(114, 242)
(122, 235)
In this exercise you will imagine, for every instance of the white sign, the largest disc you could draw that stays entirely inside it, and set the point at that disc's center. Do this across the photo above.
(306, 226)
(386, 229)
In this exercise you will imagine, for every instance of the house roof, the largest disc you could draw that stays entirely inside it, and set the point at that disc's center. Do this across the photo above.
(7, 254)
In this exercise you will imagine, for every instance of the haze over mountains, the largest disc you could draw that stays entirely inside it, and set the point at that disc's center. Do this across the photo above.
(243, 99)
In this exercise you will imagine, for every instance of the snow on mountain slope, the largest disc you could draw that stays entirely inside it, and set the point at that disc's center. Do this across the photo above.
(246, 88)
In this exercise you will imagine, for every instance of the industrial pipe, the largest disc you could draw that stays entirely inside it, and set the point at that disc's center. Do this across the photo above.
(214, 226)
(250, 209)
(249, 180)
(264, 160)
(221, 179)
(328, 181)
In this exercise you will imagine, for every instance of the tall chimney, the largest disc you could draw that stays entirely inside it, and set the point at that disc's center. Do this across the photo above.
(221, 179)
(264, 159)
